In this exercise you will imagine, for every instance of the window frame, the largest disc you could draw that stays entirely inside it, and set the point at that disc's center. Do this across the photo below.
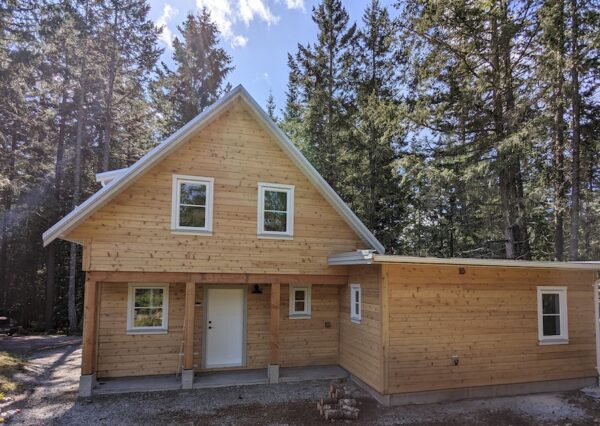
(355, 318)
(163, 329)
(307, 302)
(260, 223)
(175, 204)
(563, 315)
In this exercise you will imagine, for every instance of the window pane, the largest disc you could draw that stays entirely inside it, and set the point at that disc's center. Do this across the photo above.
(147, 317)
(299, 306)
(143, 297)
(551, 325)
(157, 297)
(357, 296)
(192, 216)
(299, 294)
(275, 222)
(356, 309)
(550, 304)
(276, 200)
(193, 193)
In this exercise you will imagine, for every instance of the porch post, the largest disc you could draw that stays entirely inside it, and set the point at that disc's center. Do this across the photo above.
(273, 368)
(90, 331)
(187, 375)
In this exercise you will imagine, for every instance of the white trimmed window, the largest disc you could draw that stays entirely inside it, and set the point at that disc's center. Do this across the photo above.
(355, 303)
(299, 301)
(192, 204)
(147, 308)
(552, 315)
(275, 210)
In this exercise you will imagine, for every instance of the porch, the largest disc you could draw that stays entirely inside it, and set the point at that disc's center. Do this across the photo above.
(274, 346)
(207, 380)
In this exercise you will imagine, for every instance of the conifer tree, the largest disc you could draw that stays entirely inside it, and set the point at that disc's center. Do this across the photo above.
(199, 77)
(321, 84)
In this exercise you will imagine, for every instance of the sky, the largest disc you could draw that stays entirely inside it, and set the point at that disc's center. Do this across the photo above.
(258, 34)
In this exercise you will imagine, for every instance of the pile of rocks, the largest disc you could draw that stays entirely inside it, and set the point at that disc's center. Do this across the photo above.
(337, 405)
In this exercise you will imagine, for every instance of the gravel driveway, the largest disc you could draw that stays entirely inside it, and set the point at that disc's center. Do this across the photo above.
(52, 378)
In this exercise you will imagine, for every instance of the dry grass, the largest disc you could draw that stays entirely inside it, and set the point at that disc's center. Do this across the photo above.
(9, 365)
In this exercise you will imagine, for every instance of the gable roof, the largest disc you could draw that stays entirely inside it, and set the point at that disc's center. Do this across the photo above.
(115, 183)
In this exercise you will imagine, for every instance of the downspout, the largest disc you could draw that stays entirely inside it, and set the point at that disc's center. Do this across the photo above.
(596, 287)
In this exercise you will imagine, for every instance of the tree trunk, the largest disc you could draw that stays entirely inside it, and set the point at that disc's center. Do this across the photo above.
(558, 147)
(6, 223)
(575, 138)
(71, 294)
(108, 98)
(51, 252)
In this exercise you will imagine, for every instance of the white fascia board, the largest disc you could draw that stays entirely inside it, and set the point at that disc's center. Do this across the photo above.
(355, 258)
(358, 257)
(106, 177)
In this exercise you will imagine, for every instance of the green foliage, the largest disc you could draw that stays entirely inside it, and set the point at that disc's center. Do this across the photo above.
(198, 80)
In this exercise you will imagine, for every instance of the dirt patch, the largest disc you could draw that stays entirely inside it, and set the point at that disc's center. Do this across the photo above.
(10, 366)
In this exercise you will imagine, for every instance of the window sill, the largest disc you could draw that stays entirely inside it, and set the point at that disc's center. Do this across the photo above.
(553, 342)
(147, 331)
(299, 316)
(274, 237)
(355, 321)
(198, 232)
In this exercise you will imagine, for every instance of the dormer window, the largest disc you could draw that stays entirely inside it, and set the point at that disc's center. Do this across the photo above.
(192, 204)
(275, 210)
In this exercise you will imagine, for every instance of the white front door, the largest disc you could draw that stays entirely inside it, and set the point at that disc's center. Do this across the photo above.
(224, 328)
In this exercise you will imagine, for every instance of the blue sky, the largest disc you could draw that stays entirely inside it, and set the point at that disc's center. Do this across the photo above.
(258, 34)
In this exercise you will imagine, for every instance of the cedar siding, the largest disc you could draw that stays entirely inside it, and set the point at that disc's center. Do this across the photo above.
(488, 317)
(302, 341)
(133, 231)
(361, 351)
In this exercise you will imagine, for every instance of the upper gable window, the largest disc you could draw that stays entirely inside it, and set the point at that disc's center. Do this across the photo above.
(192, 204)
(275, 210)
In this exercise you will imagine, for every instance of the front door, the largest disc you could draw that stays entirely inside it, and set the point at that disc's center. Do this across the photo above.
(224, 327)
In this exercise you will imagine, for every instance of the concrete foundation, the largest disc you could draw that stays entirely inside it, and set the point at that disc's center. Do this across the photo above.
(187, 379)
(273, 373)
(86, 384)
(430, 397)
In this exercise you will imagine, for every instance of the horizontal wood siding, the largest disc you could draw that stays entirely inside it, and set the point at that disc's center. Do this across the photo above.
(133, 231)
(302, 341)
(361, 350)
(310, 341)
(488, 317)
(120, 354)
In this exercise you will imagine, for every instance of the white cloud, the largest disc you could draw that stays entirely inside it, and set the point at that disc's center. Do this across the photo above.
(225, 13)
(167, 36)
(239, 41)
(295, 4)
(250, 8)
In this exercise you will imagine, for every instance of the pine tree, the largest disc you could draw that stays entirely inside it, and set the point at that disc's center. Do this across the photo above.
(321, 85)
(373, 184)
(271, 107)
(199, 77)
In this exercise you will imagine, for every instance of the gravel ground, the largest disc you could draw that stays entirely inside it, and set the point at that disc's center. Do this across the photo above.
(52, 377)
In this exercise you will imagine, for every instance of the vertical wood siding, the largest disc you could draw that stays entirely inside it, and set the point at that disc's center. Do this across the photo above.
(488, 317)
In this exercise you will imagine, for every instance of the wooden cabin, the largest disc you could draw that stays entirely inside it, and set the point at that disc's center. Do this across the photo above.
(223, 249)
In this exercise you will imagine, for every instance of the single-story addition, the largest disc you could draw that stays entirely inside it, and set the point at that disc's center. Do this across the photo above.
(223, 249)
